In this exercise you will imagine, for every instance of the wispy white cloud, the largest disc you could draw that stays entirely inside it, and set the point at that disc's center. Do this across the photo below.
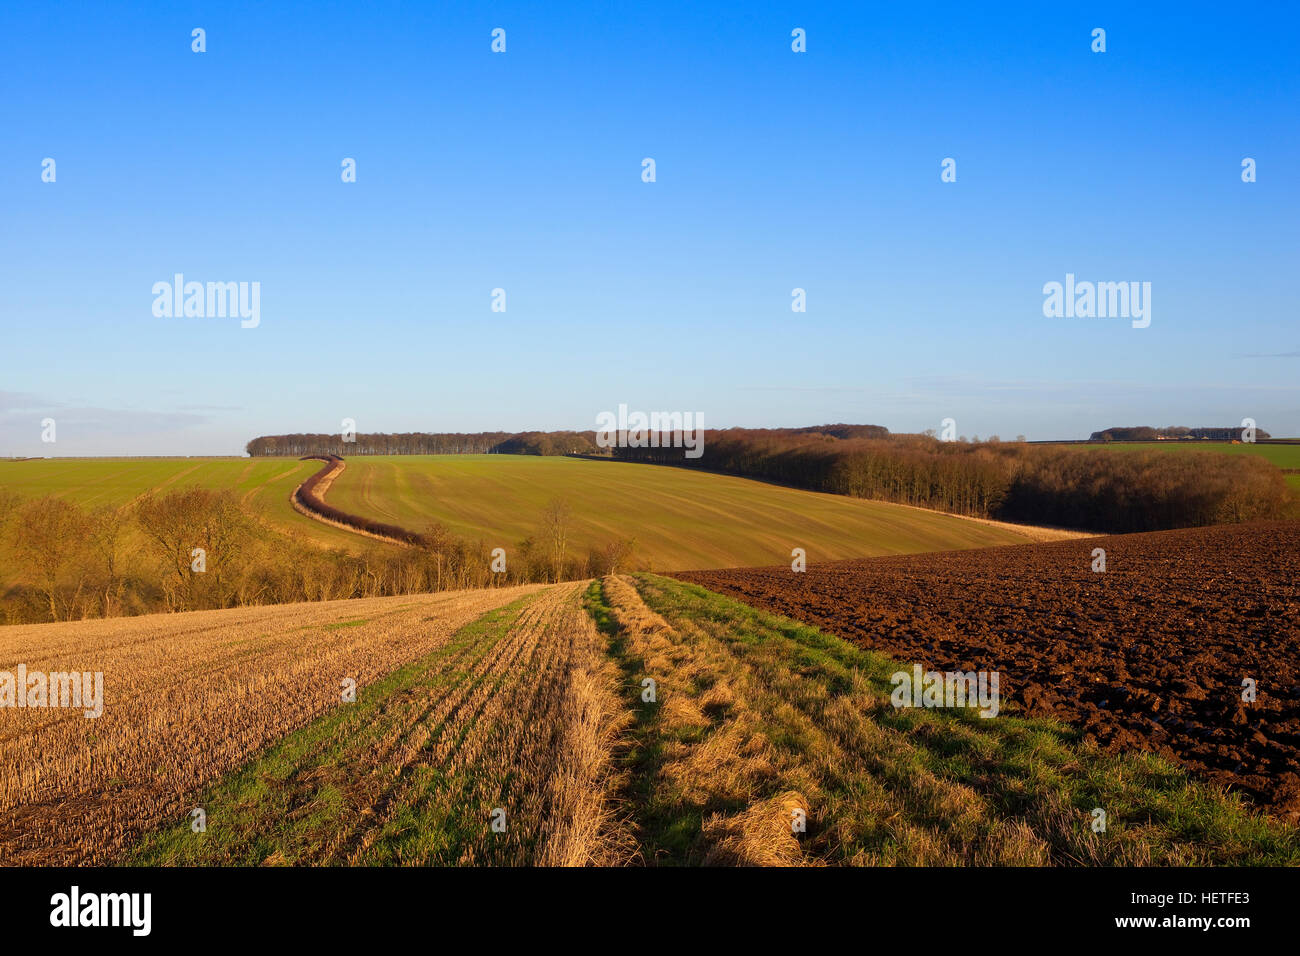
(83, 428)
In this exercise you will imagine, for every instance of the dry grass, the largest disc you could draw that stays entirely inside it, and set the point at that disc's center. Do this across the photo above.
(710, 762)
(759, 836)
(758, 716)
(188, 697)
(587, 827)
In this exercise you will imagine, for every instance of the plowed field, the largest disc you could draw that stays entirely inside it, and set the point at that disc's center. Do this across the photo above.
(1150, 654)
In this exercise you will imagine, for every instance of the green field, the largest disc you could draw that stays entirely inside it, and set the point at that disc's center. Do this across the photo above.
(680, 519)
(1284, 456)
(263, 484)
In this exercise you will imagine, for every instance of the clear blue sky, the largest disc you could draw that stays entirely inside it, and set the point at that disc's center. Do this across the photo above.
(522, 170)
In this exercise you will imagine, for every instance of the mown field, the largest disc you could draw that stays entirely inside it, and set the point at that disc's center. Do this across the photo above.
(680, 519)
(514, 726)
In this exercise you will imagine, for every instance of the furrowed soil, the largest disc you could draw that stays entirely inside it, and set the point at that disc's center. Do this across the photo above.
(763, 741)
(187, 698)
(1148, 655)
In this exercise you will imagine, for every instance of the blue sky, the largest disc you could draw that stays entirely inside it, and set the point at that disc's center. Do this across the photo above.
(522, 171)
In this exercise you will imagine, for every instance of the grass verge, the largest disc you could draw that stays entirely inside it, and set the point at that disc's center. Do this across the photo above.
(758, 717)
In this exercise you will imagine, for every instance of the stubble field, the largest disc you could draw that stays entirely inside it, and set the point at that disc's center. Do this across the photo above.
(187, 697)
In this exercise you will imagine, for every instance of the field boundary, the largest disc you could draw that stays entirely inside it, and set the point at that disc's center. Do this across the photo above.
(309, 499)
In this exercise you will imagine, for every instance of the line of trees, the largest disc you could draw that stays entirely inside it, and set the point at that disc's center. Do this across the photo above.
(62, 562)
(490, 443)
(1175, 432)
(426, 443)
(1079, 487)
(1066, 486)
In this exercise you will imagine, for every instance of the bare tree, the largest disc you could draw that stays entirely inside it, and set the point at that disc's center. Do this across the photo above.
(184, 521)
(9, 505)
(555, 532)
(617, 555)
(50, 537)
(107, 526)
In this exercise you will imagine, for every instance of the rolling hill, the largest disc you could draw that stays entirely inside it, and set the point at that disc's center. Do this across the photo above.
(680, 519)
(263, 484)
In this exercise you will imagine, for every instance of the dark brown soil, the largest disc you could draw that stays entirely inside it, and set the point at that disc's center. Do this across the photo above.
(1149, 655)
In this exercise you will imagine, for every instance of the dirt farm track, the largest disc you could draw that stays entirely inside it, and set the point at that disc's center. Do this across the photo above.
(1150, 654)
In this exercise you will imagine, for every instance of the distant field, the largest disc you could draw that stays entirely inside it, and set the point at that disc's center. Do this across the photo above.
(1284, 456)
(264, 485)
(680, 519)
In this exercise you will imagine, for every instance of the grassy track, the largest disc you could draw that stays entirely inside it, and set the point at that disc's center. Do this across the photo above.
(536, 708)
(680, 519)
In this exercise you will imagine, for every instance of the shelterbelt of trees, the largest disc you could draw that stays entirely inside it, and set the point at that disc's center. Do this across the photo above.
(1147, 433)
(485, 443)
(1062, 486)
(426, 443)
